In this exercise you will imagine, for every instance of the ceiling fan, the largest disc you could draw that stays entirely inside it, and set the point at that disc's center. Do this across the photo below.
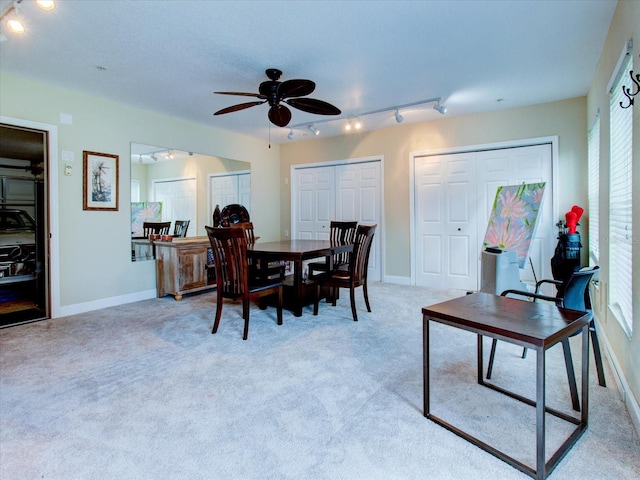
(289, 92)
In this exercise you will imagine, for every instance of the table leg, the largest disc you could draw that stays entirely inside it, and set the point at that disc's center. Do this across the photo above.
(540, 417)
(297, 288)
(425, 365)
(480, 360)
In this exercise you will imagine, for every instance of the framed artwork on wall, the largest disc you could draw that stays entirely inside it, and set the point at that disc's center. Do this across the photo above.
(99, 181)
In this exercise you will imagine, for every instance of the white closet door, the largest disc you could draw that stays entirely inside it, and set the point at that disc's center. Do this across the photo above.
(446, 221)
(179, 201)
(315, 202)
(454, 195)
(358, 197)
(230, 188)
(514, 166)
(339, 192)
(224, 190)
(244, 191)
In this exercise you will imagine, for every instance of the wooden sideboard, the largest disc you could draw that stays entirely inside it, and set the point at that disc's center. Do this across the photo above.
(181, 266)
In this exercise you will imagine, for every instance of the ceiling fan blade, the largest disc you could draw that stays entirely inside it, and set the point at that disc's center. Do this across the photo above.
(280, 115)
(312, 105)
(240, 106)
(243, 94)
(295, 88)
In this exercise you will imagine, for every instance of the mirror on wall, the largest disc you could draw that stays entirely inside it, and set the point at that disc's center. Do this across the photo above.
(172, 188)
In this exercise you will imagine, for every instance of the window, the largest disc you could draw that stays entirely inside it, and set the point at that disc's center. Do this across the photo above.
(594, 191)
(620, 189)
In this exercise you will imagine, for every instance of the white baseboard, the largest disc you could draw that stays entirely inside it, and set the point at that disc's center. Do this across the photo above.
(625, 391)
(106, 302)
(397, 280)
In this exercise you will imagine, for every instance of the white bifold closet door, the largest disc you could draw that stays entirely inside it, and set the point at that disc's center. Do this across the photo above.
(345, 192)
(453, 198)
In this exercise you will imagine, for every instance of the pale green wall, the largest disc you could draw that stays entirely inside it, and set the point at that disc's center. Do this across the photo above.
(95, 262)
(624, 26)
(566, 119)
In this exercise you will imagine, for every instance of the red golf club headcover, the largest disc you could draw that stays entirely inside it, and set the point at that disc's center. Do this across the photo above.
(571, 221)
(578, 211)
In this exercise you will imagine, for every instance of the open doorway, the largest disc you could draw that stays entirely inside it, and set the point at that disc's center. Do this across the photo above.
(24, 268)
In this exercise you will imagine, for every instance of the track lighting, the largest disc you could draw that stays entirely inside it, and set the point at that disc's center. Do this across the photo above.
(440, 108)
(353, 121)
(15, 24)
(46, 4)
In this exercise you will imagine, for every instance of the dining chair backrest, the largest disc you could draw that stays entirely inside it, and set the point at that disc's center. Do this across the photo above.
(180, 228)
(156, 228)
(359, 258)
(342, 233)
(247, 228)
(229, 247)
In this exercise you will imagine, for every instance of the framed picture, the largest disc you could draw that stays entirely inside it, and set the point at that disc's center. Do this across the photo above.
(99, 181)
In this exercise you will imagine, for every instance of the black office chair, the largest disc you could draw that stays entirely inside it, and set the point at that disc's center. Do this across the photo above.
(576, 297)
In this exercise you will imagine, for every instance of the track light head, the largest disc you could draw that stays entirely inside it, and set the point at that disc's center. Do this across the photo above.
(357, 125)
(399, 118)
(440, 108)
(314, 130)
(290, 136)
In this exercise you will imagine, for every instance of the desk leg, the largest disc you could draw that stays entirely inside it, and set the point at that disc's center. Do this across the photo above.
(540, 409)
(425, 364)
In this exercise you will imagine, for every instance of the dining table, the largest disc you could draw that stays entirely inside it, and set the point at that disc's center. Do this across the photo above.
(298, 289)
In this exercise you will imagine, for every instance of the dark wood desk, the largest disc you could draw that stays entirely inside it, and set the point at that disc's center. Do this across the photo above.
(538, 326)
(296, 251)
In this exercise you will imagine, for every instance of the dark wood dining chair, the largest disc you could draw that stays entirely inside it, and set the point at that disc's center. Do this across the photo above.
(340, 233)
(155, 228)
(354, 276)
(247, 228)
(229, 247)
(575, 296)
(180, 228)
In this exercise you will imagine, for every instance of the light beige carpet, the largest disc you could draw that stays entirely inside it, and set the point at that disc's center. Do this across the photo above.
(144, 391)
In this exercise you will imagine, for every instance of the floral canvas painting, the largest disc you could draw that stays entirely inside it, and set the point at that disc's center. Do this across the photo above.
(144, 212)
(514, 218)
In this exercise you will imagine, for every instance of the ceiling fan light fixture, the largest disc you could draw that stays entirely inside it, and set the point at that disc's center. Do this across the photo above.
(290, 136)
(399, 118)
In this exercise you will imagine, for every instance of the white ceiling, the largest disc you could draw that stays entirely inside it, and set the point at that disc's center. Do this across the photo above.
(170, 56)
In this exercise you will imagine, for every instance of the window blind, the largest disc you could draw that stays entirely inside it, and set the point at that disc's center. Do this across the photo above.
(594, 190)
(620, 190)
